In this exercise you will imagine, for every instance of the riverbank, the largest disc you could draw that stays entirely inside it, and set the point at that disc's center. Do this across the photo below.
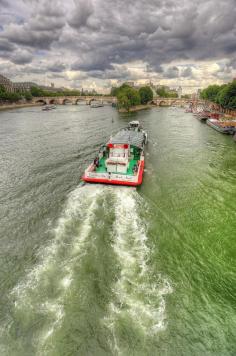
(136, 108)
(16, 106)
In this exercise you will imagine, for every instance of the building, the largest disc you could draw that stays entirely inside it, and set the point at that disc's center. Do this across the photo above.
(12, 87)
(51, 88)
(6, 84)
(23, 86)
(179, 91)
(197, 95)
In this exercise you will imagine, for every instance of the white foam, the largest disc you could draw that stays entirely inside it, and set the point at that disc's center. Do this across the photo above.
(57, 312)
(80, 207)
(66, 281)
(136, 296)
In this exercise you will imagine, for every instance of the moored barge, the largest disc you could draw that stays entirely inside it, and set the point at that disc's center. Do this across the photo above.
(226, 127)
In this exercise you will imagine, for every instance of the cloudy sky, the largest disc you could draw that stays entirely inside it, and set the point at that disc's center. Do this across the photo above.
(99, 43)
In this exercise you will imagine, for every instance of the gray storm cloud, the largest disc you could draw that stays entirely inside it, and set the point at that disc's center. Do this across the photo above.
(98, 37)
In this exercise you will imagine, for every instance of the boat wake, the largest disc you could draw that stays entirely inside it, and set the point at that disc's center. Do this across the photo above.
(137, 297)
(42, 294)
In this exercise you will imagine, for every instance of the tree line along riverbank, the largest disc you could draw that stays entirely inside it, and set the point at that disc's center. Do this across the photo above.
(223, 95)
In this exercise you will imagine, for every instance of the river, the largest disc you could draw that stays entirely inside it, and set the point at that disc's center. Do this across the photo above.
(103, 270)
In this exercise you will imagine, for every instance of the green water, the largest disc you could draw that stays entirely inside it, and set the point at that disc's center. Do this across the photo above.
(103, 270)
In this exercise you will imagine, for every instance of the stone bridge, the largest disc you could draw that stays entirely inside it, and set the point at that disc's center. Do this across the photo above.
(109, 100)
(176, 102)
(181, 102)
(75, 100)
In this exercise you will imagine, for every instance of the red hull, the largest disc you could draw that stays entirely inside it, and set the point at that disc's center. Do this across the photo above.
(117, 182)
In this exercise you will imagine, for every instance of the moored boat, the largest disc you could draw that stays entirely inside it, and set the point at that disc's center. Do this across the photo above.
(96, 105)
(226, 127)
(48, 107)
(216, 115)
(121, 160)
(203, 115)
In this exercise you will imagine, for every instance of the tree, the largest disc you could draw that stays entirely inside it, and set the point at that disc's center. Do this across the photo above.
(211, 92)
(9, 97)
(161, 92)
(146, 94)
(127, 96)
(166, 94)
(114, 91)
(123, 101)
(2, 89)
(222, 96)
(27, 95)
(35, 91)
(225, 95)
(132, 95)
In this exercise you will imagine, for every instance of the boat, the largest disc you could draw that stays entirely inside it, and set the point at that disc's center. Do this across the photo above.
(96, 105)
(203, 115)
(121, 160)
(226, 127)
(216, 115)
(48, 107)
(234, 137)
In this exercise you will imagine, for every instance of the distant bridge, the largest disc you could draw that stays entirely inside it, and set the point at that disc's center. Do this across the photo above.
(176, 101)
(75, 100)
(108, 100)
(181, 102)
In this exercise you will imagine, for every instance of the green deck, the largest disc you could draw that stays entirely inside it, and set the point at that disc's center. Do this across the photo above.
(102, 167)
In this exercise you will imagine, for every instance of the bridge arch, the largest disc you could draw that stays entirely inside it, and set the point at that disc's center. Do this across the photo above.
(163, 103)
(99, 101)
(67, 101)
(52, 101)
(41, 101)
(92, 99)
(80, 101)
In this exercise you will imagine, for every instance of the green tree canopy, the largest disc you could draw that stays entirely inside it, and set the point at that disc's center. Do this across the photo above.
(36, 91)
(127, 96)
(146, 94)
(225, 95)
(9, 97)
(123, 101)
(211, 92)
(166, 94)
